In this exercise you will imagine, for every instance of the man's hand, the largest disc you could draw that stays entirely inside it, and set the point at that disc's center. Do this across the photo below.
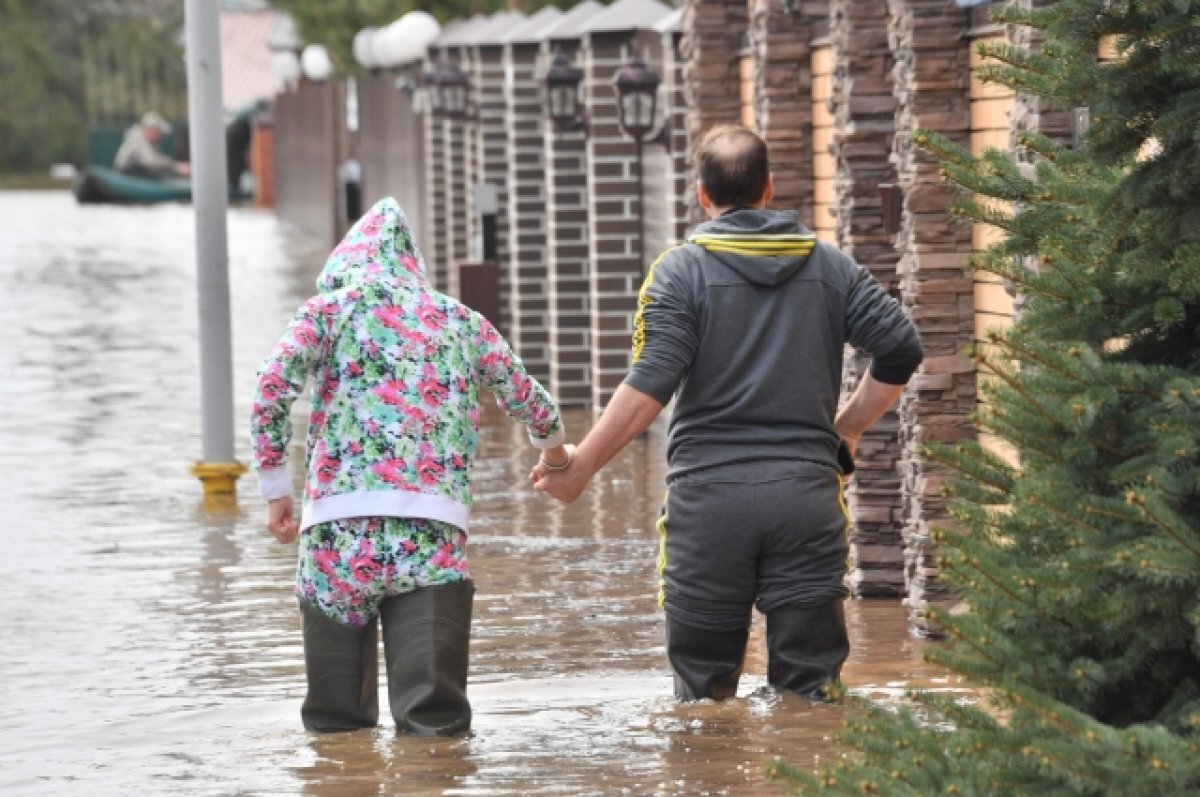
(851, 444)
(280, 522)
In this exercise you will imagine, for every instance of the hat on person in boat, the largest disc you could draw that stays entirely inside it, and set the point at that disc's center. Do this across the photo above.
(154, 119)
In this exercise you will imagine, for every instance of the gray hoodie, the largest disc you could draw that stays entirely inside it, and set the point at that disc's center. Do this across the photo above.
(746, 325)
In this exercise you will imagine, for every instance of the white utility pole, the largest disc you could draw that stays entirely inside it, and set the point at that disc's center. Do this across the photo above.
(217, 470)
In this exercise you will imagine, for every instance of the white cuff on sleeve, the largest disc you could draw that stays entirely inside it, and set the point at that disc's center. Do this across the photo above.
(274, 482)
(548, 442)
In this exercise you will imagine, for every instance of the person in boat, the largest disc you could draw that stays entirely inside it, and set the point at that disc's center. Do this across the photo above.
(139, 155)
(398, 370)
(745, 325)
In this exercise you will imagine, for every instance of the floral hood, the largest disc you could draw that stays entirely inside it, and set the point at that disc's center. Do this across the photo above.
(378, 250)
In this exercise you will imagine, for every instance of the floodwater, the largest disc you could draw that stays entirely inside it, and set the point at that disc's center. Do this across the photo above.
(149, 646)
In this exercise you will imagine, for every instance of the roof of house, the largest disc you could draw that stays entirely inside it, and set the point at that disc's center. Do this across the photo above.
(530, 31)
(246, 72)
(628, 15)
(571, 24)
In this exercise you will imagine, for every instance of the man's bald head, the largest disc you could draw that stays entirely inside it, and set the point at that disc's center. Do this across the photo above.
(733, 167)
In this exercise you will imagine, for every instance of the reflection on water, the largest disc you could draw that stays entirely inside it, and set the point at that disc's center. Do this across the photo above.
(147, 644)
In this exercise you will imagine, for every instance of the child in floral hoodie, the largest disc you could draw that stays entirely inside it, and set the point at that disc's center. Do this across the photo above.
(393, 432)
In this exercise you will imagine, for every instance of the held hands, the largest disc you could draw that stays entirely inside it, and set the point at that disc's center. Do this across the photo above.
(558, 475)
(280, 521)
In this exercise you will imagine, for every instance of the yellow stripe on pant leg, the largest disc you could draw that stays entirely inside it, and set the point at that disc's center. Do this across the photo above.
(845, 511)
(662, 553)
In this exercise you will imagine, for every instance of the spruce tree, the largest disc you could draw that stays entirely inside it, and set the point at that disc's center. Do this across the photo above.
(1079, 565)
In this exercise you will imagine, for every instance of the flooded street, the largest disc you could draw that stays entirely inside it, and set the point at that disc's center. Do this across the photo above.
(147, 646)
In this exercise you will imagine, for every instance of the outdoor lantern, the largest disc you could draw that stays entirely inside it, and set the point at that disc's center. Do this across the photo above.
(562, 93)
(315, 62)
(450, 84)
(637, 93)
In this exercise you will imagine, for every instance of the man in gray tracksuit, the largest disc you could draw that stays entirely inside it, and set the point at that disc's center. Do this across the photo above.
(746, 325)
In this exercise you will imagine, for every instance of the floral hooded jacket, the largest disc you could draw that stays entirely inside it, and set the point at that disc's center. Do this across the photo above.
(395, 405)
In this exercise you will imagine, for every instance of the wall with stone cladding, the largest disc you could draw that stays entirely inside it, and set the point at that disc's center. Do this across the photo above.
(567, 253)
(864, 122)
(617, 269)
(931, 81)
(713, 34)
(525, 217)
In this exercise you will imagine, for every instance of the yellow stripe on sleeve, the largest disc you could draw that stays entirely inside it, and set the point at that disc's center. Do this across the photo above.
(639, 319)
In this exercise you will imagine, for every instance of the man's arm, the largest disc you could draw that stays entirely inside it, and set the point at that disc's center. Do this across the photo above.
(628, 415)
(870, 401)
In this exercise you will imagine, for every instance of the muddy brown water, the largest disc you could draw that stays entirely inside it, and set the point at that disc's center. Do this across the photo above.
(150, 646)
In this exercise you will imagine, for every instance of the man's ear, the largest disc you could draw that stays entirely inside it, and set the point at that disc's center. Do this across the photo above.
(769, 193)
(702, 196)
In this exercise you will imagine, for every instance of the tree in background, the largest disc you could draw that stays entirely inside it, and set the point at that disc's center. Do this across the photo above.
(334, 23)
(1079, 567)
(66, 66)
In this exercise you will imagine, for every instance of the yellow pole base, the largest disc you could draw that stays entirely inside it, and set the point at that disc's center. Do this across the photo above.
(218, 478)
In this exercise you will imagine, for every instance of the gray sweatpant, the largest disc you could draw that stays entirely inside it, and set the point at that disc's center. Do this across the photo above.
(767, 533)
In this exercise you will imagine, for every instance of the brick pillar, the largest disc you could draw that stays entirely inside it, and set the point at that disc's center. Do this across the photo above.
(487, 159)
(713, 33)
(783, 103)
(262, 163)
(681, 178)
(456, 188)
(613, 218)
(436, 249)
(931, 75)
(567, 255)
(865, 110)
(528, 273)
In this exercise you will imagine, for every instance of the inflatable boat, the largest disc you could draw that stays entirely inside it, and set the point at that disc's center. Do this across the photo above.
(97, 184)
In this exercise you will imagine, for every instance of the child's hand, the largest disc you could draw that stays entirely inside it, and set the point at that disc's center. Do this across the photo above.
(280, 523)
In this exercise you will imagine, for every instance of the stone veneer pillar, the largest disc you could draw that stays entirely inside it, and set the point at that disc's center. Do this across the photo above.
(931, 74)
(781, 42)
(713, 34)
(1028, 112)
(865, 110)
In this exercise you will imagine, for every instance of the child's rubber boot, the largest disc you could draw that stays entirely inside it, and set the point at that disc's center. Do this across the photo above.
(342, 667)
(707, 664)
(426, 639)
(806, 647)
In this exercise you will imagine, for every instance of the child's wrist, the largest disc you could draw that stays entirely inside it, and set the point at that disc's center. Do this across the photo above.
(548, 465)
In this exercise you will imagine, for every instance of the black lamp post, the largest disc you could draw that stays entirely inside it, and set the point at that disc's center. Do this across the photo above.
(562, 93)
(450, 89)
(637, 94)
